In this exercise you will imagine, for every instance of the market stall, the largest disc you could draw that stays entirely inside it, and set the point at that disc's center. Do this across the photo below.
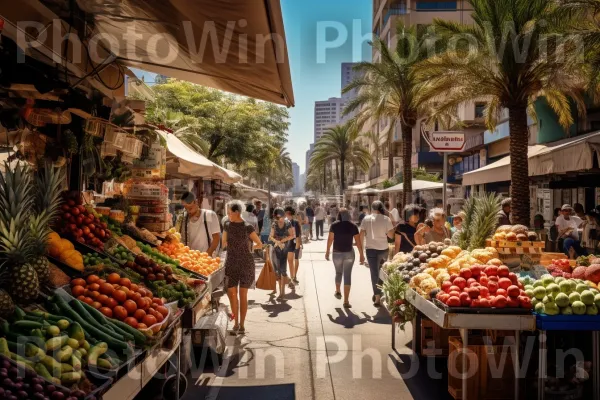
(465, 302)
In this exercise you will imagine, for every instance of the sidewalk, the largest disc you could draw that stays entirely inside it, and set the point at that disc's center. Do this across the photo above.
(310, 347)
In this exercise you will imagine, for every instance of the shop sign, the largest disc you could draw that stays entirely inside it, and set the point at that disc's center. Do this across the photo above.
(444, 141)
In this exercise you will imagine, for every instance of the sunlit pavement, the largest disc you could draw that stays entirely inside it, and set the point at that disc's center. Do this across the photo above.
(310, 347)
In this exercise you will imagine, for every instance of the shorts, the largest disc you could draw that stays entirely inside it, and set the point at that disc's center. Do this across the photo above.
(298, 253)
(244, 282)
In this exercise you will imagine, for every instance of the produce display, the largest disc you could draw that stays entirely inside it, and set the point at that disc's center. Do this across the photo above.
(94, 259)
(482, 286)
(193, 260)
(514, 233)
(142, 233)
(81, 223)
(119, 298)
(587, 268)
(64, 251)
(22, 382)
(179, 292)
(150, 270)
(113, 226)
(121, 253)
(556, 295)
(156, 255)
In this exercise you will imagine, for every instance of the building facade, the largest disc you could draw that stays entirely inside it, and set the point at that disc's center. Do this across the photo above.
(328, 113)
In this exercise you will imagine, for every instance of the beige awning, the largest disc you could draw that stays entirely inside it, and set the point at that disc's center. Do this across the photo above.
(416, 185)
(249, 192)
(234, 45)
(369, 192)
(183, 162)
(567, 155)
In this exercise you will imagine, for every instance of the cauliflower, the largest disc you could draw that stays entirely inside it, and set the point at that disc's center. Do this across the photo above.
(441, 278)
(437, 273)
(493, 251)
(429, 271)
(482, 255)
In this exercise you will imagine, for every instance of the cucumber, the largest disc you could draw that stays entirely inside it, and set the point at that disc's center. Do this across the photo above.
(5, 326)
(15, 347)
(28, 325)
(100, 318)
(138, 336)
(19, 313)
(33, 318)
(78, 307)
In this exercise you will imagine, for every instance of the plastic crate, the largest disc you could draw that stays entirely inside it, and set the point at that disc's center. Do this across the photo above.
(95, 127)
(568, 322)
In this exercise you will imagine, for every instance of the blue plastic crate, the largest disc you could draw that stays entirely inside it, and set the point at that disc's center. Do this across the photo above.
(568, 322)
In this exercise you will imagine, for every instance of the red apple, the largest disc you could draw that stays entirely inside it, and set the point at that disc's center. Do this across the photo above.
(476, 270)
(493, 278)
(446, 286)
(492, 286)
(484, 292)
(513, 291)
(501, 292)
(499, 302)
(453, 301)
(460, 282)
(504, 283)
(484, 280)
(513, 278)
(454, 294)
(513, 302)
(484, 303)
(503, 271)
(466, 273)
(491, 270)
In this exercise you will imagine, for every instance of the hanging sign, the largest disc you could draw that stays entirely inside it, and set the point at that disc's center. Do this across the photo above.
(444, 141)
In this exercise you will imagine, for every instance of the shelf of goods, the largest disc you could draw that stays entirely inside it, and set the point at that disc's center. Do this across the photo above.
(465, 322)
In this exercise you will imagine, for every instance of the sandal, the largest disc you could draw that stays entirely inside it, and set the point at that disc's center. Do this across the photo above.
(347, 305)
(234, 330)
(241, 331)
(338, 295)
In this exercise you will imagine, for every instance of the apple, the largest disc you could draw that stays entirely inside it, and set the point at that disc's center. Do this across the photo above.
(484, 280)
(491, 270)
(446, 286)
(484, 303)
(499, 302)
(525, 301)
(484, 292)
(471, 280)
(454, 294)
(465, 273)
(513, 291)
(513, 302)
(513, 278)
(460, 282)
(504, 283)
(475, 284)
(494, 278)
(455, 288)
(501, 292)
(453, 301)
(476, 270)
(503, 271)
(475, 303)
(463, 299)
(453, 277)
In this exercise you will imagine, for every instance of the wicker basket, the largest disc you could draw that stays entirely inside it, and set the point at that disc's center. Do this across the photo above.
(114, 135)
(95, 127)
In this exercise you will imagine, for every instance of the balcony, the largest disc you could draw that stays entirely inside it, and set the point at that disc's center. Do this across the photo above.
(474, 141)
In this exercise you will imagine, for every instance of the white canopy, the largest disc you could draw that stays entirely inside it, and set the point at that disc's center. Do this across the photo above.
(370, 192)
(250, 192)
(567, 155)
(184, 162)
(416, 185)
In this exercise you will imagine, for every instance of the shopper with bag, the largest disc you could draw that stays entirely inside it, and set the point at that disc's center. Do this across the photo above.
(239, 263)
(405, 232)
(341, 234)
(282, 235)
(267, 280)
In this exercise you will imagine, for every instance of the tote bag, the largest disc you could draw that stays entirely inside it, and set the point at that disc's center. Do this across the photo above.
(267, 280)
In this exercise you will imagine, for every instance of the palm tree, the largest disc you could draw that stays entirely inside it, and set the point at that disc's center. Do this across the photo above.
(279, 165)
(340, 145)
(376, 143)
(389, 89)
(512, 78)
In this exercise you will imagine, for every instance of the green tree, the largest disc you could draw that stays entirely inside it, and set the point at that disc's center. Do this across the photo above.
(512, 60)
(340, 145)
(389, 89)
(376, 142)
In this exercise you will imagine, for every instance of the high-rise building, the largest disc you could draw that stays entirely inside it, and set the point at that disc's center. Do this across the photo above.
(348, 75)
(296, 174)
(309, 154)
(328, 113)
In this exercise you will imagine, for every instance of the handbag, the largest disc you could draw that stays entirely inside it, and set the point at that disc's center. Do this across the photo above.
(267, 280)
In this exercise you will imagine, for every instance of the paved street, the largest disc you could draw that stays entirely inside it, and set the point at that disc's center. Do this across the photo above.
(312, 348)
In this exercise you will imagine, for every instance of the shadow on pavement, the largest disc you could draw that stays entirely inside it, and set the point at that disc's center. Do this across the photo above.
(423, 376)
(274, 309)
(348, 319)
(267, 392)
(382, 317)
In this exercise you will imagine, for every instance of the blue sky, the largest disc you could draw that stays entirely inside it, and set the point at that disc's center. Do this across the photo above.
(312, 27)
(314, 77)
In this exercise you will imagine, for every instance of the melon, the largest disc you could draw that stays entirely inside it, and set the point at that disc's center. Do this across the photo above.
(579, 273)
(592, 273)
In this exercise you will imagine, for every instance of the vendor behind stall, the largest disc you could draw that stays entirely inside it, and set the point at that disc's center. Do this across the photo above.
(199, 229)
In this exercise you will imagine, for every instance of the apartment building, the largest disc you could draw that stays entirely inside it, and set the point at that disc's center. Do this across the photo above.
(328, 113)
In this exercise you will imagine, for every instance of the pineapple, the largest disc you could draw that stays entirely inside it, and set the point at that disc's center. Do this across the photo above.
(7, 307)
(24, 283)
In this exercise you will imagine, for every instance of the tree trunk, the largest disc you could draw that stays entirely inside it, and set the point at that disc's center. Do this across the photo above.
(407, 133)
(519, 165)
(342, 176)
(324, 177)
(269, 190)
(390, 154)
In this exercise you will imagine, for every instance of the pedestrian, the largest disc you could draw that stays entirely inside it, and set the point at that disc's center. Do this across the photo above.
(434, 229)
(239, 263)
(578, 210)
(266, 228)
(319, 220)
(363, 213)
(405, 232)
(290, 214)
(200, 229)
(260, 213)
(303, 221)
(457, 222)
(249, 216)
(395, 214)
(282, 235)
(341, 234)
(310, 213)
(333, 213)
(376, 229)
(504, 214)
(590, 225)
(568, 226)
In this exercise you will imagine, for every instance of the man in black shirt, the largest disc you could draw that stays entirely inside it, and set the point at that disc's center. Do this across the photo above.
(290, 214)
(405, 233)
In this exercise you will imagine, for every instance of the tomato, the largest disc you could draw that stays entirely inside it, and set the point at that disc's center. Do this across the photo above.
(81, 298)
(142, 326)
(111, 303)
(96, 304)
(94, 286)
(131, 322)
(141, 303)
(113, 278)
(94, 294)
(88, 300)
(130, 294)
(136, 297)
(147, 301)
(102, 299)
(125, 282)
(125, 289)
(100, 281)
(139, 314)
(92, 279)
(120, 312)
(158, 301)
(78, 282)
(77, 290)
(159, 317)
(149, 320)
(106, 311)
(130, 306)
(87, 292)
(119, 295)
(162, 310)
(106, 288)
(134, 287)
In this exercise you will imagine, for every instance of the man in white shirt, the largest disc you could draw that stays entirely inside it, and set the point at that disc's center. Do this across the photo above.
(319, 220)
(395, 215)
(375, 229)
(200, 229)
(567, 225)
(250, 217)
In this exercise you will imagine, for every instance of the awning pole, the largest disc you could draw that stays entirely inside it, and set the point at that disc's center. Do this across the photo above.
(445, 194)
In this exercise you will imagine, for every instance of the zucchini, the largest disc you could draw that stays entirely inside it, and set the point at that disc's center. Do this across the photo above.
(78, 307)
(15, 347)
(76, 363)
(28, 325)
(64, 354)
(76, 332)
(64, 367)
(51, 365)
(99, 318)
(19, 313)
(104, 363)
(33, 318)
(138, 336)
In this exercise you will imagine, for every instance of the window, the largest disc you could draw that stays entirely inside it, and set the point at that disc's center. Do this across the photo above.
(435, 5)
(479, 107)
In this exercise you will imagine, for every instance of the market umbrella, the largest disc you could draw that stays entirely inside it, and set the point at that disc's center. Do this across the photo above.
(370, 192)
(185, 162)
(416, 185)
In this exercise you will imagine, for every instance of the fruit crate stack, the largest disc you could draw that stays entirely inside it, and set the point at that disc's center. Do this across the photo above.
(151, 197)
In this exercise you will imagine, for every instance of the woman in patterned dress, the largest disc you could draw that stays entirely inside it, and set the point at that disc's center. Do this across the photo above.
(239, 264)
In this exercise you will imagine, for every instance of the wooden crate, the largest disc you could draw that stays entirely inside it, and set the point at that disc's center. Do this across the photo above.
(434, 339)
(488, 378)
(514, 244)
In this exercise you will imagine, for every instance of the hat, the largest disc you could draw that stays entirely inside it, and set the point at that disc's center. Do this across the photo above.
(566, 207)
(461, 214)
